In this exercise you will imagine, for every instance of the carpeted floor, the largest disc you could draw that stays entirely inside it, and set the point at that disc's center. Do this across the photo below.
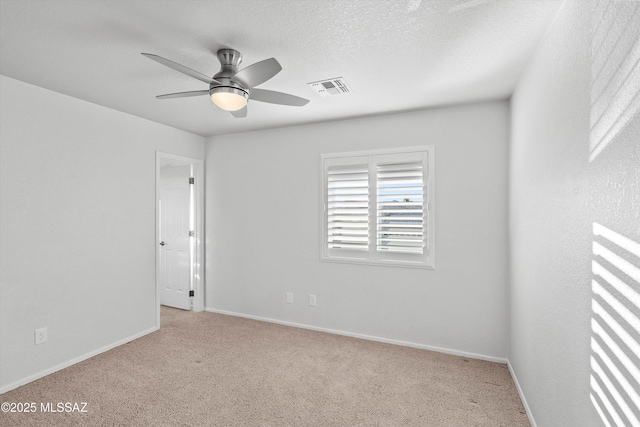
(206, 369)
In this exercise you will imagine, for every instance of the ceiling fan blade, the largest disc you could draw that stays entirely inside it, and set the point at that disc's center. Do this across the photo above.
(181, 68)
(240, 114)
(183, 94)
(273, 97)
(259, 72)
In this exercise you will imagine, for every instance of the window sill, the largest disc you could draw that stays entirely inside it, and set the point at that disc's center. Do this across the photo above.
(379, 262)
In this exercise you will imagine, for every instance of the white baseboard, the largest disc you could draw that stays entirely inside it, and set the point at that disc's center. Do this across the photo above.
(73, 361)
(361, 336)
(521, 393)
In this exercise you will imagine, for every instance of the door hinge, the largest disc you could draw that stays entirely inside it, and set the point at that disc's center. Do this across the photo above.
(192, 180)
(192, 293)
(192, 233)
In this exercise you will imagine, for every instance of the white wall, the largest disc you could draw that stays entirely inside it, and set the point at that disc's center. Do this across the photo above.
(263, 231)
(559, 189)
(77, 224)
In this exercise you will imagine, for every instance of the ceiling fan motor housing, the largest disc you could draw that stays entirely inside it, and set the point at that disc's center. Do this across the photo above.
(229, 59)
(232, 88)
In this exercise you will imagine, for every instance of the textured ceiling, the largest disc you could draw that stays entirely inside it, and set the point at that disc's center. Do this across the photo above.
(396, 55)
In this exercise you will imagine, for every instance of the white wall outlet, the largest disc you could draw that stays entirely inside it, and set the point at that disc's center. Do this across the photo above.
(289, 297)
(312, 300)
(40, 336)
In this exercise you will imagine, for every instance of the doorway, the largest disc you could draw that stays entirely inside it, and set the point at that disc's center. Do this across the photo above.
(179, 232)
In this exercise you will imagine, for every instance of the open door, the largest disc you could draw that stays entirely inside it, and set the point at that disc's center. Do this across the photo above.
(175, 234)
(179, 232)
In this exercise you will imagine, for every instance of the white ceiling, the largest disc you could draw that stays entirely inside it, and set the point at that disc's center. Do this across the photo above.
(396, 55)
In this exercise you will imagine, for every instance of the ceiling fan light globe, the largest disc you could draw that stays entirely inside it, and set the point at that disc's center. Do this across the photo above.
(229, 99)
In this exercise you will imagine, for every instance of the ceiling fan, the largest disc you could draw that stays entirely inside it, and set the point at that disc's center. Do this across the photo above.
(231, 89)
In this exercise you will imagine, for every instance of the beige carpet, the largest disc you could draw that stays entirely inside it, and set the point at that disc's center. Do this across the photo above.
(205, 369)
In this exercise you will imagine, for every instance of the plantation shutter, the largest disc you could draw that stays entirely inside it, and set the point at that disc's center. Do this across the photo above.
(378, 207)
(400, 207)
(348, 208)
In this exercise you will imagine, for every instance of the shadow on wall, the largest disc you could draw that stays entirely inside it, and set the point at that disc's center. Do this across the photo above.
(615, 325)
(615, 71)
(615, 285)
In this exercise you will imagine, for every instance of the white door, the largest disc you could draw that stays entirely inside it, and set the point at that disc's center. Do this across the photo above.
(175, 255)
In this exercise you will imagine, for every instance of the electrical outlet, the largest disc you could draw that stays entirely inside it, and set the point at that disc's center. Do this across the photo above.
(289, 297)
(312, 300)
(40, 336)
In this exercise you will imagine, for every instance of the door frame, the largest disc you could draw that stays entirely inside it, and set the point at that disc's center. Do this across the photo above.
(197, 303)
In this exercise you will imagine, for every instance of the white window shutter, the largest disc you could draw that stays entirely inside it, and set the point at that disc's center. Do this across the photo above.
(378, 207)
(400, 208)
(348, 208)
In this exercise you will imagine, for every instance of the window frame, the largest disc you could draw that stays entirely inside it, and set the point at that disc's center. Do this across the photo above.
(372, 158)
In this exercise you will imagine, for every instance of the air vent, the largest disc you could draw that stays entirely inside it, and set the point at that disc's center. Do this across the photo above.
(330, 87)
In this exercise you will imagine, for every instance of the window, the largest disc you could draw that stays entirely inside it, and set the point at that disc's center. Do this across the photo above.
(378, 207)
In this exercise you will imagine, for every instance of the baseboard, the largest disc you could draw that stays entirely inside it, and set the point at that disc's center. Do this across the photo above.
(73, 361)
(361, 336)
(522, 398)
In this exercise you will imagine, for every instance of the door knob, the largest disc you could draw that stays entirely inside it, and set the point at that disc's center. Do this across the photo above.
(162, 243)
